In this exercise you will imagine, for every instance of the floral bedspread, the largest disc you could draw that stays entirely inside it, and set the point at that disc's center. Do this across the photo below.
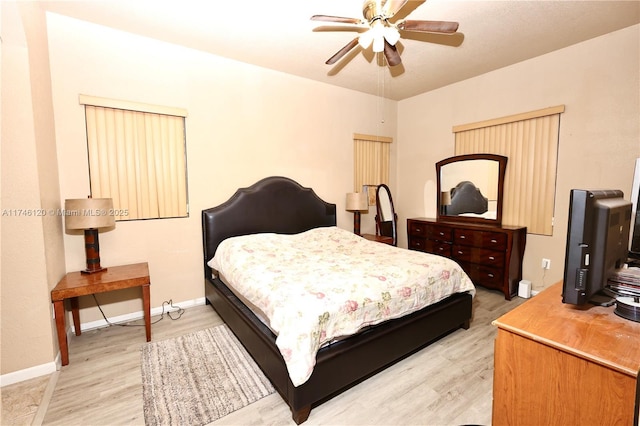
(327, 282)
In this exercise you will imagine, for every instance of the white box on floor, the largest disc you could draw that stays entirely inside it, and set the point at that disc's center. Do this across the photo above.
(524, 289)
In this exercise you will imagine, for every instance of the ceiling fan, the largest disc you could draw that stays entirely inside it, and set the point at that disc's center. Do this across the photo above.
(383, 33)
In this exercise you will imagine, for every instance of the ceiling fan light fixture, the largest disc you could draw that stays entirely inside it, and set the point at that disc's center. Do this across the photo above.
(378, 44)
(365, 39)
(378, 31)
(392, 35)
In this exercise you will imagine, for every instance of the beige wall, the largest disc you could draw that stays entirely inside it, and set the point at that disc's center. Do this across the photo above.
(597, 80)
(244, 123)
(32, 249)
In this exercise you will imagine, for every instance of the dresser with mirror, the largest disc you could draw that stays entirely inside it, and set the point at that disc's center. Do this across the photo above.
(468, 224)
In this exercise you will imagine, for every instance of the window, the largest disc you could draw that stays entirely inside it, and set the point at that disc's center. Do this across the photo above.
(137, 157)
(371, 160)
(530, 141)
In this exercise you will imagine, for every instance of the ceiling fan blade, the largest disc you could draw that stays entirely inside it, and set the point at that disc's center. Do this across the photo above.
(392, 55)
(339, 19)
(444, 27)
(391, 7)
(340, 53)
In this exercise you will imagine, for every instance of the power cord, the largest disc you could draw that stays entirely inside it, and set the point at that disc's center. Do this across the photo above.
(171, 314)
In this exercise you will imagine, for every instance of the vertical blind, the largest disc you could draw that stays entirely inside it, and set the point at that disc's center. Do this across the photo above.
(137, 157)
(530, 141)
(371, 160)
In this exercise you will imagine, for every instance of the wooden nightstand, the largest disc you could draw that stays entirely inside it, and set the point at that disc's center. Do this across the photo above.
(76, 284)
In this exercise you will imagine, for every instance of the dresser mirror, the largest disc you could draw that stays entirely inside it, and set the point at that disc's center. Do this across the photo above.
(386, 218)
(470, 188)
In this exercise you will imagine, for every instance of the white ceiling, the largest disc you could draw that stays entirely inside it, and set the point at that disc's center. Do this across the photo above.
(279, 35)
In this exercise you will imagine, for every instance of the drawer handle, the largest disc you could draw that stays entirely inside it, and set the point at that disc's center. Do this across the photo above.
(418, 244)
(440, 249)
(418, 229)
(494, 241)
(492, 258)
(460, 252)
(462, 237)
(490, 275)
(441, 233)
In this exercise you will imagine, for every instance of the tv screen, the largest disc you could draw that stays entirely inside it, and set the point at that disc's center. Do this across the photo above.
(597, 244)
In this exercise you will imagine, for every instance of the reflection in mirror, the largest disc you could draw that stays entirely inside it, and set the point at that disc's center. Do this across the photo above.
(386, 218)
(470, 187)
(477, 195)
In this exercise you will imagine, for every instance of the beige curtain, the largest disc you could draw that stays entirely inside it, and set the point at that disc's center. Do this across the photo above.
(530, 141)
(138, 159)
(371, 160)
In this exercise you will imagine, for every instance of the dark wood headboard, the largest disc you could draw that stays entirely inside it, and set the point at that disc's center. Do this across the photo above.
(274, 204)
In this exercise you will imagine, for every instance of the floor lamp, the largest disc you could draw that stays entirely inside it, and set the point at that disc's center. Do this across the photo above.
(357, 202)
(90, 214)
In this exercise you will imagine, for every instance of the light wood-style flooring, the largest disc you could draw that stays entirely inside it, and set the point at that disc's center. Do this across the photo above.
(447, 383)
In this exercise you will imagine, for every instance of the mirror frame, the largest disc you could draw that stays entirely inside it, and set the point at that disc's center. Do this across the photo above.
(394, 219)
(502, 166)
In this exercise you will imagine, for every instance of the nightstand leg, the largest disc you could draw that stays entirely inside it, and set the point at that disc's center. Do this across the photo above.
(146, 303)
(75, 313)
(58, 307)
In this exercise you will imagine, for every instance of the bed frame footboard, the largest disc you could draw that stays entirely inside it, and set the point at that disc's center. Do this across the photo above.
(345, 363)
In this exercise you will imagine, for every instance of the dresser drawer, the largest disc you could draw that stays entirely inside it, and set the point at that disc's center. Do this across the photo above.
(484, 239)
(438, 247)
(418, 229)
(439, 233)
(484, 275)
(417, 243)
(478, 255)
(434, 232)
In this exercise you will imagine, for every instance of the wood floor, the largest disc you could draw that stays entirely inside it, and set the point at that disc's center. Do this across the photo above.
(447, 383)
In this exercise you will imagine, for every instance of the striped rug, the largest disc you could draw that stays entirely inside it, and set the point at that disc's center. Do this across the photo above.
(198, 378)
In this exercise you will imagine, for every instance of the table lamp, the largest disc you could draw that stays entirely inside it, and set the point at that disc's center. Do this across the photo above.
(90, 214)
(356, 203)
(445, 201)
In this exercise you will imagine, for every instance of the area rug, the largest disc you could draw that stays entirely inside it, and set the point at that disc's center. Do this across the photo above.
(198, 378)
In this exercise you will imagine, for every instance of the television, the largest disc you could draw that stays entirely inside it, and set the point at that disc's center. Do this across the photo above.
(597, 244)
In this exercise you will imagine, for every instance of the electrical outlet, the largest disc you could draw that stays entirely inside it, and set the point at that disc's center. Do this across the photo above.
(546, 263)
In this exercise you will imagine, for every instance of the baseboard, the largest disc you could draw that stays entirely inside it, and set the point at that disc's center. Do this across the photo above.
(55, 365)
(86, 326)
(29, 373)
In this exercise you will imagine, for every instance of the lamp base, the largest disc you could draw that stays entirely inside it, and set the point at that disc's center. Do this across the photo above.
(92, 251)
(356, 222)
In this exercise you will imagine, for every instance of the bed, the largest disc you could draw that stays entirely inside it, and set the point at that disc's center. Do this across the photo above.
(280, 205)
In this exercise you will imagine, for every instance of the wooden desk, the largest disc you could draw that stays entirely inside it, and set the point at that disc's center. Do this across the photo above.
(76, 284)
(565, 365)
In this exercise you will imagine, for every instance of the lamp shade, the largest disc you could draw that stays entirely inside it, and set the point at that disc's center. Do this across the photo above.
(445, 198)
(88, 213)
(357, 201)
